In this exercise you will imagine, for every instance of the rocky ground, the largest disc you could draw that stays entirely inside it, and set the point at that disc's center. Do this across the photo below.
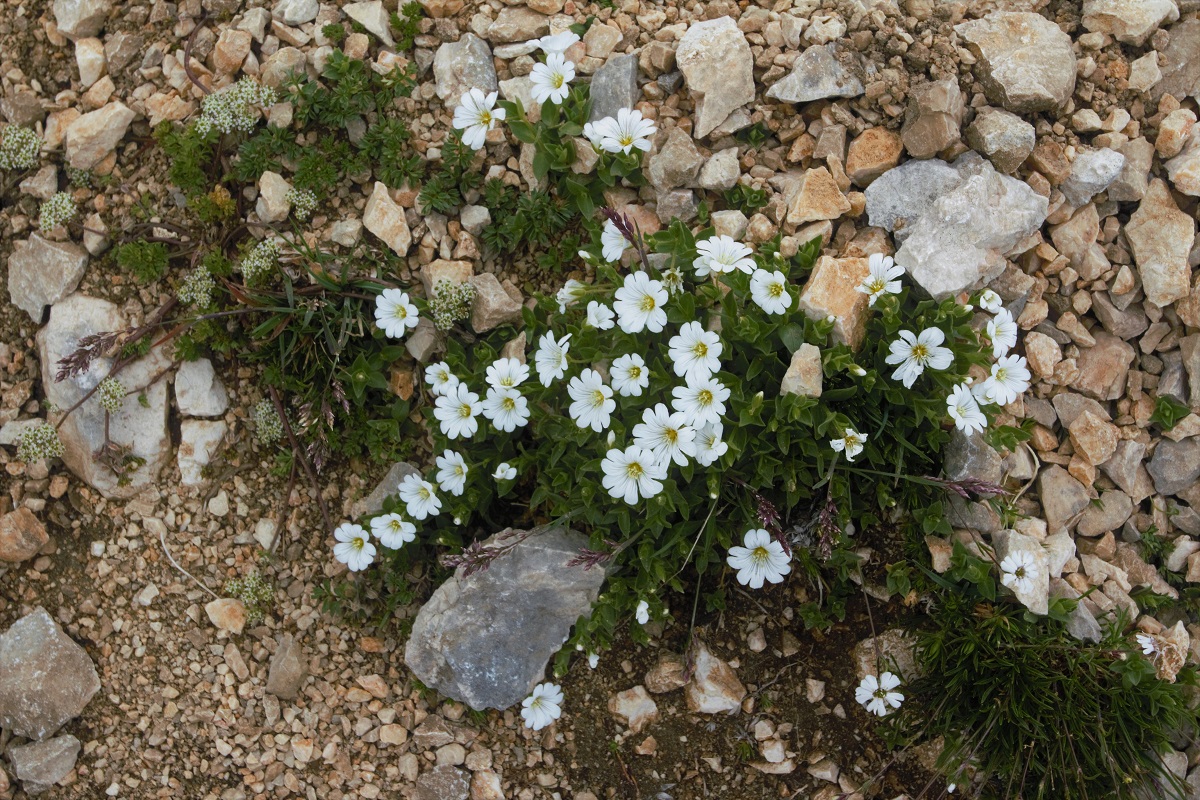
(1048, 150)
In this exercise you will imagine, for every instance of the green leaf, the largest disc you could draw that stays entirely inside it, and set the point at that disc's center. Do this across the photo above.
(1168, 412)
(523, 131)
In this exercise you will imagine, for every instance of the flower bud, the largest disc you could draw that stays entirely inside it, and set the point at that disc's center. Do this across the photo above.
(857, 371)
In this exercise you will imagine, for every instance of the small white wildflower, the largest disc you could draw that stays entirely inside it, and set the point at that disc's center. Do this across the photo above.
(395, 314)
(20, 148)
(639, 304)
(1010, 377)
(504, 471)
(506, 373)
(878, 695)
(393, 531)
(111, 395)
(629, 375)
(626, 132)
(632, 473)
(543, 706)
(506, 408)
(990, 301)
(593, 402)
(58, 210)
(760, 558)
(303, 201)
(642, 614)
(419, 497)
(233, 109)
(600, 316)
(260, 261)
(694, 352)
(439, 378)
(1019, 571)
(612, 242)
(452, 473)
(40, 442)
(851, 443)
(552, 80)
(666, 435)
(701, 402)
(709, 446)
(551, 357)
(569, 294)
(915, 353)
(1002, 330)
(475, 115)
(353, 548)
(722, 254)
(881, 278)
(456, 412)
(558, 43)
(769, 291)
(965, 410)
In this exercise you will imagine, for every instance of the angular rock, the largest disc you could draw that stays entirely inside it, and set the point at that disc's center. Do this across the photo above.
(634, 708)
(388, 487)
(41, 272)
(1062, 497)
(720, 173)
(1160, 238)
(1128, 21)
(372, 16)
(492, 306)
(231, 50)
(227, 613)
(718, 68)
(1184, 169)
(1093, 437)
(1175, 466)
(1173, 132)
(898, 198)
(730, 222)
(1080, 623)
(1181, 72)
(384, 218)
(464, 649)
(677, 164)
(199, 442)
(714, 687)
(666, 675)
(461, 66)
(895, 647)
(79, 19)
(273, 202)
(287, 671)
(198, 390)
(89, 57)
(830, 70)
(443, 783)
(872, 153)
(22, 535)
(614, 86)
(43, 184)
(46, 679)
(831, 290)
(1024, 61)
(1108, 515)
(1091, 173)
(1144, 72)
(814, 196)
(281, 64)
(518, 24)
(933, 119)
(969, 456)
(804, 374)
(96, 134)
(140, 427)
(40, 765)
(295, 12)
(1103, 367)
(1133, 180)
(1034, 593)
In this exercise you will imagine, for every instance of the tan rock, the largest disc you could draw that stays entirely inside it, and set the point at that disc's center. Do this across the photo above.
(714, 687)
(1160, 236)
(22, 535)
(831, 290)
(1042, 353)
(1093, 437)
(1173, 132)
(227, 613)
(815, 196)
(384, 218)
(666, 675)
(872, 153)
(493, 306)
(804, 375)
(231, 50)
(634, 707)
(443, 269)
(95, 134)
(1103, 367)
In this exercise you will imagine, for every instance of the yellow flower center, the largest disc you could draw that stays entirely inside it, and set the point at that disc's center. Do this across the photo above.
(671, 435)
(852, 440)
(876, 285)
(705, 397)
(634, 470)
(508, 404)
(557, 81)
(775, 289)
(760, 554)
(635, 373)
(1001, 374)
(700, 350)
(648, 303)
(598, 398)
(626, 140)
(485, 118)
(358, 542)
(424, 493)
(401, 312)
(464, 411)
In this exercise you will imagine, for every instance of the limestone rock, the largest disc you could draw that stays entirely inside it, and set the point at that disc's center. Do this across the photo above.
(372, 16)
(897, 650)
(461, 66)
(1175, 466)
(199, 442)
(463, 648)
(492, 306)
(518, 24)
(804, 374)
(79, 19)
(1024, 61)
(138, 427)
(677, 164)
(384, 218)
(287, 670)
(227, 613)
(22, 535)
(279, 65)
(1181, 72)
(831, 290)
(295, 12)
(634, 707)
(1034, 593)
(1103, 367)
(933, 119)
(666, 675)
(614, 86)
(40, 765)
(1062, 497)
(231, 50)
(1091, 173)
(720, 173)
(1184, 169)
(46, 679)
(273, 203)
(1005, 139)
(89, 57)
(969, 456)
(373, 503)
(41, 272)
(1144, 72)
(830, 70)
(1080, 623)
(1093, 437)
(718, 68)
(714, 687)
(1160, 237)
(1109, 515)
(1133, 180)
(1128, 21)
(198, 390)
(443, 783)
(872, 153)
(814, 196)
(96, 134)
(898, 198)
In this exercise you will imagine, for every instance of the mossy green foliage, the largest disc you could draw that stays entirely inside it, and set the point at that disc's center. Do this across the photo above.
(406, 25)
(147, 261)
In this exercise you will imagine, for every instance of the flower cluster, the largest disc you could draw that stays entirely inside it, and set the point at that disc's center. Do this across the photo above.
(451, 302)
(267, 424)
(111, 395)
(40, 442)
(234, 108)
(58, 210)
(260, 261)
(197, 288)
(20, 148)
(552, 80)
(303, 201)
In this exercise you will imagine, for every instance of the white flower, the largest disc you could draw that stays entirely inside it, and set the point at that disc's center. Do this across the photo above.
(695, 352)
(769, 291)
(569, 294)
(594, 133)
(420, 501)
(475, 115)
(701, 403)
(612, 242)
(1018, 571)
(558, 43)
(452, 473)
(393, 531)
(627, 131)
(631, 473)
(990, 301)
(1148, 644)
(551, 81)
(551, 357)
(439, 378)
(639, 304)
(504, 471)
(1009, 378)
(543, 706)
(593, 404)
(506, 408)
(642, 614)
(722, 254)
(672, 279)
(1002, 330)
(456, 411)
(881, 278)
(876, 694)
(506, 373)
(600, 316)
(629, 375)
(915, 353)
(665, 435)
(353, 548)
(709, 446)
(965, 410)
(593, 660)
(851, 443)
(394, 313)
(761, 558)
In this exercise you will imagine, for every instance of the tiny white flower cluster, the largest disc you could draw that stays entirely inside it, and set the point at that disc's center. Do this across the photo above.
(197, 288)
(111, 394)
(20, 148)
(267, 424)
(260, 261)
(303, 201)
(40, 442)
(233, 109)
(58, 210)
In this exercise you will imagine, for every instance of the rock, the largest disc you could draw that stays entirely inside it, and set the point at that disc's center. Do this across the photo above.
(425, 341)
(1091, 173)
(461, 66)
(227, 613)
(1108, 515)
(872, 153)
(898, 198)
(346, 232)
(896, 649)
(443, 269)
(1175, 466)
(1144, 73)
(666, 675)
(475, 218)
(518, 24)
(282, 63)
(1094, 437)
(198, 390)
(231, 50)
(96, 134)
(933, 119)
(1023, 60)
(1184, 169)
(730, 222)
(372, 16)
(385, 219)
(718, 68)
(492, 306)
(1173, 132)
(1128, 21)
(22, 535)
(1181, 67)
(140, 427)
(1043, 354)
(677, 164)
(830, 70)
(1103, 367)
(296, 12)
(46, 679)
(443, 783)
(1160, 238)
(40, 765)
(89, 57)
(462, 648)
(485, 785)
(273, 202)
(721, 171)
(814, 196)
(970, 457)
(804, 374)
(825, 770)
(614, 86)
(199, 443)
(1063, 497)
(714, 687)
(831, 290)
(41, 272)
(1133, 180)
(79, 19)
(372, 504)
(634, 707)
(1080, 623)
(287, 671)
(1036, 595)
(43, 184)
(1181, 552)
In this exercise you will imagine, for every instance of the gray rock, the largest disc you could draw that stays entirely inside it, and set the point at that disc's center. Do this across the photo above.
(287, 672)
(198, 390)
(969, 456)
(1104, 367)
(140, 428)
(614, 86)
(1080, 623)
(464, 65)
(676, 204)
(384, 218)
(1124, 466)
(79, 19)
(297, 12)
(1024, 61)
(677, 164)
(895, 648)
(95, 134)
(371, 15)
(346, 232)
(1114, 508)
(475, 218)
(718, 68)
(464, 649)
(121, 48)
(1091, 173)
(721, 172)
(1133, 180)
(1062, 497)
(1181, 72)
(41, 272)
(1184, 169)
(1005, 139)
(898, 198)
(1128, 21)
(46, 679)
(730, 222)
(1035, 594)
(1175, 466)
(372, 504)
(273, 203)
(933, 119)
(492, 306)
(425, 341)
(40, 765)
(443, 783)
(830, 70)
(282, 63)
(1160, 237)
(43, 184)
(518, 24)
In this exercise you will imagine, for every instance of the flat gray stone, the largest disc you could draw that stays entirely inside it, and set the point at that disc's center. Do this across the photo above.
(286, 673)
(1181, 74)
(1175, 466)
(969, 456)
(1062, 497)
(718, 68)
(40, 765)
(41, 272)
(614, 86)
(1091, 173)
(390, 485)
(898, 197)
(1080, 623)
(464, 65)
(830, 70)
(79, 19)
